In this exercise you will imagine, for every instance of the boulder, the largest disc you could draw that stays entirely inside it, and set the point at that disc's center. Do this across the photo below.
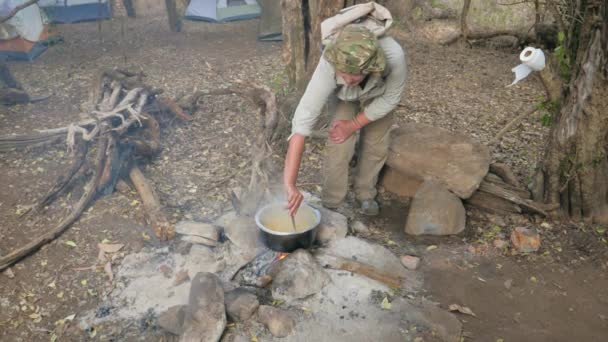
(410, 262)
(297, 276)
(205, 317)
(244, 234)
(435, 211)
(276, 320)
(240, 304)
(398, 183)
(423, 152)
(333, 226)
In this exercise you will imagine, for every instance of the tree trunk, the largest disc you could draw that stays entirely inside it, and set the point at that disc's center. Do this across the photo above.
(294, 42)
(175, 22)
(575, 164)
(302, 36)
(464, 29)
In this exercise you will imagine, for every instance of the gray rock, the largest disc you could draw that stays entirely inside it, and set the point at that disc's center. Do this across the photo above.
(240, 304)
(360, 228)
(276, 320)
(244, 234)
(333, 226)
(198, 232)
(428, 153)
(204, 259)
(435, 211)
(297, 276)
(205, 317)
(172, 320)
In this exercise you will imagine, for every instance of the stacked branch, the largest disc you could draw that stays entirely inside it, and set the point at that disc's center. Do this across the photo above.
(119, 129)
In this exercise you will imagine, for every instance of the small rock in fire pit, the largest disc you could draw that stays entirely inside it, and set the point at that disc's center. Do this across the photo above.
(240, 304)
(198, 232)
(205, 317)
(297, 276)
(333, 226)
(172, 320)
(410, 262)
(276, 320)
(360, 228)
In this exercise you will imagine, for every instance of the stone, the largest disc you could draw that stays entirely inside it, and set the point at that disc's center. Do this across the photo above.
(198, 232)
(410, 262)
(240, 304)
(245, 235)
(428, 153)
(508, 283)
(205, 317)
(360, 228)
(398, 183)
(204, 259)
(525, 240)
(333, 226)
(297, 276)
(276, 320)
(435, 211)
(172, 320)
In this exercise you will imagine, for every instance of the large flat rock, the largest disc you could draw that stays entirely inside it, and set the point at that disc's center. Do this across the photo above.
(429, 153)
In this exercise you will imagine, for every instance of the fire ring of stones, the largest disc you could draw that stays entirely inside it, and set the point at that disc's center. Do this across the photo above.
(346, 288)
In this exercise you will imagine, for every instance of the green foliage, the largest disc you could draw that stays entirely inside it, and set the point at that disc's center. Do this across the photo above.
(562, 57)
(548, 109)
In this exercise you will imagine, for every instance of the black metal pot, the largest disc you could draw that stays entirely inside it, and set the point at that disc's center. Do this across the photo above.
(288, 241)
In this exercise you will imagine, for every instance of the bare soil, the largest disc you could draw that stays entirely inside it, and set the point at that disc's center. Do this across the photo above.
(557, 294)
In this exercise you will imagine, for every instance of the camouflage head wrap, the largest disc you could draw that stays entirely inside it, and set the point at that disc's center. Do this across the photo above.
(356, 51)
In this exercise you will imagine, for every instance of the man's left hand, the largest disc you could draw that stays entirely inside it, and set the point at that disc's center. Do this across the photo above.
(341, 130)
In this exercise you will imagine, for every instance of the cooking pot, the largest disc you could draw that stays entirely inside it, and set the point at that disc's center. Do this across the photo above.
(277, 230)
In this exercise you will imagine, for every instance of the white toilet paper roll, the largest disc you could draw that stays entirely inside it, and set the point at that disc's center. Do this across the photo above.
(532, 59)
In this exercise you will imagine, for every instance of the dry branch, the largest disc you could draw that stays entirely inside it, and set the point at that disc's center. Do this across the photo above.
(156, 218)
(339, 263)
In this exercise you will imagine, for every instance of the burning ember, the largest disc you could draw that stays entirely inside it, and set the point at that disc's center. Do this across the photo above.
(282, 256)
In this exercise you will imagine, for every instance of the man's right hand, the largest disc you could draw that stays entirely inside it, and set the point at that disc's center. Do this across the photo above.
(294, 199)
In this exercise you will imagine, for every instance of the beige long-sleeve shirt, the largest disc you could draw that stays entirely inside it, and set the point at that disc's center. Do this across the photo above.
(380, 94)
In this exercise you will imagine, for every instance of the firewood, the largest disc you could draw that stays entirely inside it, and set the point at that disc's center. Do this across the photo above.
(156, 218)
(340, 263)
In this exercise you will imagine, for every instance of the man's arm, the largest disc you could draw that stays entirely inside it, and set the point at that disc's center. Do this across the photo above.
(318, 90)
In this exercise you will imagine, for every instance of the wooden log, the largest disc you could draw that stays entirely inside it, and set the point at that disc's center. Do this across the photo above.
(156, 218)
(80, 154)
(492, 203)
(527, 205)
(340, 263)
(171, 106)
(505, 173)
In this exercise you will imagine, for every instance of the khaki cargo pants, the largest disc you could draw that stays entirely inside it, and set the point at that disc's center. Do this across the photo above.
(373, 150)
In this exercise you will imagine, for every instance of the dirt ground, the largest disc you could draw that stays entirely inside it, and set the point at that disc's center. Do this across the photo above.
(557, 294)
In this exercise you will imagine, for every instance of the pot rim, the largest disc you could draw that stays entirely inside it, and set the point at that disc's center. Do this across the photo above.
(272, 232)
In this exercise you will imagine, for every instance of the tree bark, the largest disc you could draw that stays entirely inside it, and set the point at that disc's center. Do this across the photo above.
(464, 29)
(175, 22)
(575, 164)
(294, 41)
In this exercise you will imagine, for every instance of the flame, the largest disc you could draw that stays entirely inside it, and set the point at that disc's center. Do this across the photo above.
(282, 256)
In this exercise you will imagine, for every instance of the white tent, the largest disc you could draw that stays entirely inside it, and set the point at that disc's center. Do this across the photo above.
(23, 36)
(222, 10)
(73, 11)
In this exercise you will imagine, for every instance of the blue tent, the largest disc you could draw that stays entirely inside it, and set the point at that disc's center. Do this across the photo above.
(73, 11)
(222, 10)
